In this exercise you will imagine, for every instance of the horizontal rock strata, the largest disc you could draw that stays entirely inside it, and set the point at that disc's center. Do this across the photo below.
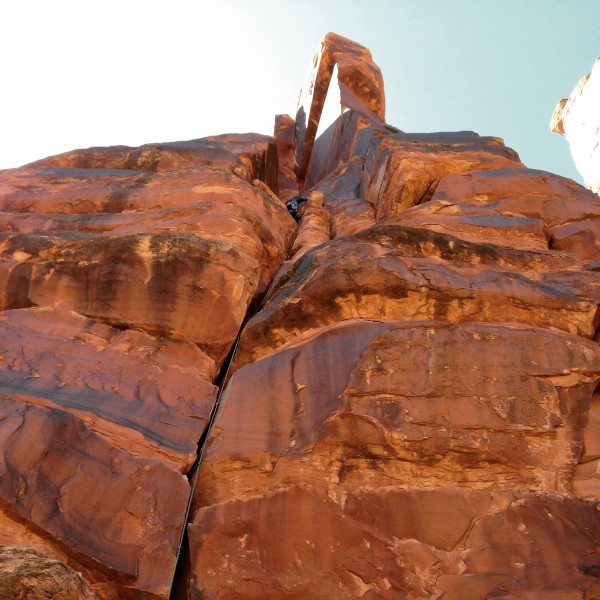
(412, 409)
(125, 274)
(412, 413)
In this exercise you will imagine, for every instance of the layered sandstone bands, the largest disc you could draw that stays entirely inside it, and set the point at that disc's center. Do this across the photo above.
(125, 275)
(409, 413)
(346, 70)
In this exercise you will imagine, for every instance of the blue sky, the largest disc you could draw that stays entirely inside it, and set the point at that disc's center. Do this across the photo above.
(77, 73)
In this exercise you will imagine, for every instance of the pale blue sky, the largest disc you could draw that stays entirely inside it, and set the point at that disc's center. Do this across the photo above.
(77, 73)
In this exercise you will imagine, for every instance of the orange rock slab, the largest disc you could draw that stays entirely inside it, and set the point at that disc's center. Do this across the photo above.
(360, 88)
(395, 544)
(372, 459)
(98, 428)
(200, 241)
(125, 275)
(411, 274)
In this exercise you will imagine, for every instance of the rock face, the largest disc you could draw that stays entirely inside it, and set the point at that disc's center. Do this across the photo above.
(359, 87)
(125, 275)
(577, 118)
(412, 413)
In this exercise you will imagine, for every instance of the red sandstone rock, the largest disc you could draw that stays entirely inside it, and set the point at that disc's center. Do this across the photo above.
(577, 118)
(173, 240)
(370, 172)
(412, 414)
(345, 140)
(181, 228)
(366, 448)
(530, 201)
(395, 544)
(348, 212)
(410, 274)
(250, 156)
(98, 427)
(408, 413)
(315, 228)
(404, 169)
(117, 508)
(284, 133)
(360, 88)
(372, 403)
(147, 395)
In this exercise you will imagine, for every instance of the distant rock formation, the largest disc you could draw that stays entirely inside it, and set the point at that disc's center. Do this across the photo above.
(577, 118)
(411, 407)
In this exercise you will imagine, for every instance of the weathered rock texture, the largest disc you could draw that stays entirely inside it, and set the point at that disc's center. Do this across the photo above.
(125, 275)
(27, 575)
(359, 85)
(413, 413)
(578, 119)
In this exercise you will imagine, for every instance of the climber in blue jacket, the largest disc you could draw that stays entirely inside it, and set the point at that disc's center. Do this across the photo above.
(293, 206)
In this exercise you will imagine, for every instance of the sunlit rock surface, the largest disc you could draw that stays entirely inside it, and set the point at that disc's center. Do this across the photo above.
(412, 410)
(343, 65)
(577, 118)
(125, 275)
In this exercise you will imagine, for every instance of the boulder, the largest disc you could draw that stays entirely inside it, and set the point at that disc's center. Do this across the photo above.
(25, 574)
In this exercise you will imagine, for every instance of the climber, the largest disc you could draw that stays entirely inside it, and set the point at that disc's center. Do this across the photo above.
(293, 206)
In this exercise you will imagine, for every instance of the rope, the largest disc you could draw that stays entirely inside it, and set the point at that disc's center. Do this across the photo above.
(211, 421)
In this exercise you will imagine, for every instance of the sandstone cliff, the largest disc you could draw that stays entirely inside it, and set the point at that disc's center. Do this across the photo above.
(411, 407)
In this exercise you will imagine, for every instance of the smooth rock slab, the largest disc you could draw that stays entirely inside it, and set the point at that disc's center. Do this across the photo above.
(175, 284)
(112, 506)
(307, 542)
(427, 404)
(147, 395)
(97, 427)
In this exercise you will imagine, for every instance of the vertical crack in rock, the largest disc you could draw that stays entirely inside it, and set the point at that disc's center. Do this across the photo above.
(444, 358)
(137, 304)
(395, 398)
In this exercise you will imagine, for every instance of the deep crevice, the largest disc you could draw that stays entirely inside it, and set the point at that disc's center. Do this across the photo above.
(177, 590)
